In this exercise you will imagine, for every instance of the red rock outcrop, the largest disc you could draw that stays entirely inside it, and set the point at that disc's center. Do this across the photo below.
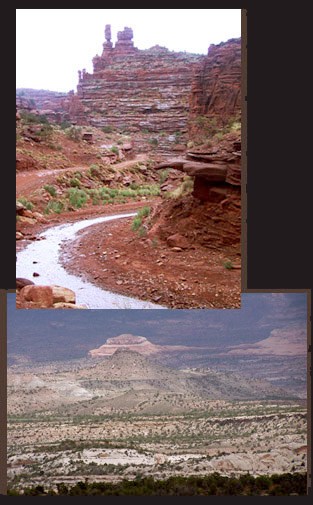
(125, 341)
(131, 89)
(47, 297)
(216, 86)
(138, 344)
(149, 91)
(216, 170)
(138, 90)
(216, 221)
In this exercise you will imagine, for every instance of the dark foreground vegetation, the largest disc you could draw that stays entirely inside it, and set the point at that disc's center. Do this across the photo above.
(213, 484)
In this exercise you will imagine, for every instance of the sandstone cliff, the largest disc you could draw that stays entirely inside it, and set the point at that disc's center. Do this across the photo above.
(169, 96)
(216, 88)
(134, 343)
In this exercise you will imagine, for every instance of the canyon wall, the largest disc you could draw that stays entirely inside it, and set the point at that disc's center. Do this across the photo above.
(137, 89)
(215, 95)
(170, 95)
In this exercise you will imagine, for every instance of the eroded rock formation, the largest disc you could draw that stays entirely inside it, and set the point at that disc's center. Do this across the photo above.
(125, 341)
(129, 342)
(216, 169)
(155, 91)
(216, 87)
(137, 90)
(47, 297)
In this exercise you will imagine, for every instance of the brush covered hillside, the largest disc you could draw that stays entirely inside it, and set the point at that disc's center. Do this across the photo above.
(127, 417)
(127, 381)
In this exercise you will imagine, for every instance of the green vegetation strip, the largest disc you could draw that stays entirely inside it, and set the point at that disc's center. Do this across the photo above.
(210, 485)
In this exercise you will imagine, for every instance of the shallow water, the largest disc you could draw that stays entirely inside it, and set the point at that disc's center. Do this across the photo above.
(46, 255)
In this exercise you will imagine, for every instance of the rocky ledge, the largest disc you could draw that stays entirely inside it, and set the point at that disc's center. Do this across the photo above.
(45, 297)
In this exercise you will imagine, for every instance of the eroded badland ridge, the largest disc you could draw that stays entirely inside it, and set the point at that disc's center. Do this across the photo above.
(125, 415)
(154, 127)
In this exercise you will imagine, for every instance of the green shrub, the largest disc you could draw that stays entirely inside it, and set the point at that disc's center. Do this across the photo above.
(163, 174)
(136, 223)
(26, 203)
(75, 183)
(28, 117)
(228, 265)
(145, 211)
(142, 231)
(50, 189)
(185, 187)
(77, 197)
(74, 133)
(65, 124)
(54, 205)
(107, 129)
(114, 149)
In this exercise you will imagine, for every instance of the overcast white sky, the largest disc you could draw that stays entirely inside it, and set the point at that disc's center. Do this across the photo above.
(53, 44)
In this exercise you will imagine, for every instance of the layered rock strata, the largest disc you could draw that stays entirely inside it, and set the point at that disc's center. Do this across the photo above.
(216, 86)
(155, 91)
(47, 297)
(129, 342)
(48, 103)
(216, 170)
(129, 89)
(211, 213)
(137, 89)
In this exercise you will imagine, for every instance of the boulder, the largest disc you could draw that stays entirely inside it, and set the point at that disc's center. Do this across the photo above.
(21, 282)
(26, 220)
(178, 240)
(47, 295)
(208, 171)
(28, 213)
(20, 208)
(40, 218)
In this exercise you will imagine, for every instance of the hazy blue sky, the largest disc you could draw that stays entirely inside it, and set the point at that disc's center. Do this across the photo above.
(53, 44)
(82, 330)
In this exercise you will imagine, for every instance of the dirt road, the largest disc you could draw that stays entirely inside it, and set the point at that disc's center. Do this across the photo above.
(114, 257)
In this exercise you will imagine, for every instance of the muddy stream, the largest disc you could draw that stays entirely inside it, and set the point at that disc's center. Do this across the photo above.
(42, 257)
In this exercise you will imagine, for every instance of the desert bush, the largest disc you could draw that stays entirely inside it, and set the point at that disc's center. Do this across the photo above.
(185, 187)
(50, 189)
(65, 124)
(54, 205)
(26, 203)
(74, 133)
(107, 129)
(77, 197)
(136, 223)
(228, 265)
(28, 117)
(45, 132)
(163, 174)
(145, 211)
(75, 183)
(114, 149)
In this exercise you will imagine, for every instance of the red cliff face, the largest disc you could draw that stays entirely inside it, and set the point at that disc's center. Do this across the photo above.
(140, 90)
(150, 91)
(216, 87)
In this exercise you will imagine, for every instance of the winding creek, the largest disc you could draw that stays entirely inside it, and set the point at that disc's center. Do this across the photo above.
(46, 255)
